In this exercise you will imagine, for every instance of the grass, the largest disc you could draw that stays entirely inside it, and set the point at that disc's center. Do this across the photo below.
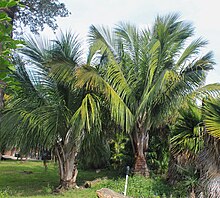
(29, 179)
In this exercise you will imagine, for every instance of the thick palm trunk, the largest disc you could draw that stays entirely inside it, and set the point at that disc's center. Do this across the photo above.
(67, 166)
(140, 140)
(210, 167)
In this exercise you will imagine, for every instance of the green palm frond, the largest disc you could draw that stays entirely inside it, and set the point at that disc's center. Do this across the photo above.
(87, 117)
(88, 76)
(68, 47)
(188, 132)
(191, 51)
(212, 116)
(207, 91)
(130, 39)
(36, 49)
(102, 38)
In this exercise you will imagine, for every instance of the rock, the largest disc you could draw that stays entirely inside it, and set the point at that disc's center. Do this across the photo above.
(108, 193)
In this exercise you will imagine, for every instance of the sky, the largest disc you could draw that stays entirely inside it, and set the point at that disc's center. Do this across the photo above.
(203, 14)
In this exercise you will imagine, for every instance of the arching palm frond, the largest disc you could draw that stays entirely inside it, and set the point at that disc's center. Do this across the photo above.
(88, 76)
(36, 49)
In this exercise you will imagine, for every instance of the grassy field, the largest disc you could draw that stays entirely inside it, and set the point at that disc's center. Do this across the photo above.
(29, 179)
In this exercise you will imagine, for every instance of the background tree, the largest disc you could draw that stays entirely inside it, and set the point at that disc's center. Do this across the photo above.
(7, 44)
(144, 74)
(32, 13)
(35, 14)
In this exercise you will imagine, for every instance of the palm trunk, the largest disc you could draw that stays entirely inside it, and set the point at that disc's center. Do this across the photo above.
(210, 167)
(172, 175)
(67, 166)
(140, 140)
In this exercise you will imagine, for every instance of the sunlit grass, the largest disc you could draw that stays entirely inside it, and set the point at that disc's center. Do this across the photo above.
(29, 179)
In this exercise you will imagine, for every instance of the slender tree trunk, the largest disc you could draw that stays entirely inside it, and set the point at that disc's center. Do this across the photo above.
(67, 166)
(140, 139)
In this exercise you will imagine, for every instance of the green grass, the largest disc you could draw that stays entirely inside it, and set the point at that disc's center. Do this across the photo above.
(14, 182)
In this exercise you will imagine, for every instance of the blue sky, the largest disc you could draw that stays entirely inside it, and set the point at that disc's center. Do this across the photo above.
(203, 14)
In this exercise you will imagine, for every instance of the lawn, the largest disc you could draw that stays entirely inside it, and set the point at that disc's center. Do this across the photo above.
(29, 179)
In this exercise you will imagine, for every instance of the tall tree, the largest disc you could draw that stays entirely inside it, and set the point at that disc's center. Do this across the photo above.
(144, 74)
(44, 111)
(35, 14)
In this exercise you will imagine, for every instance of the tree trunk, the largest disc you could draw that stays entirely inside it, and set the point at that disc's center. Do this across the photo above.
(67, 166)
(209, 162)
(172, 175)
(140, 139)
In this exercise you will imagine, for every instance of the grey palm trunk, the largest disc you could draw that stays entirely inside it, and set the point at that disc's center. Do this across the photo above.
(67, 165)
(140, 141)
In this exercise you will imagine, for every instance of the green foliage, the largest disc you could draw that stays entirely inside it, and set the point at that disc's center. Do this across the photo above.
(211, 110)
(7, 44)
(40, 183)
(95, 151)
(4, 194)
(121, 153)
(158, 153)
(35, 14)
(144, 74)
(43, 110)
(190, 176)
(187, 137)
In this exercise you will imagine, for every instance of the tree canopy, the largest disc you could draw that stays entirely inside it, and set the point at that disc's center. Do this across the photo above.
(36, 14)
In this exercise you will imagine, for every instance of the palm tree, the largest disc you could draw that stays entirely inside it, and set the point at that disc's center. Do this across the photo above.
(45, 112)
(144, 74)
(209, 157)
(187, 138)
(185, 144)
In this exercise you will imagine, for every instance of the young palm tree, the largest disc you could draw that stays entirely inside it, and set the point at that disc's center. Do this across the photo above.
(46, 112)
(144, 74)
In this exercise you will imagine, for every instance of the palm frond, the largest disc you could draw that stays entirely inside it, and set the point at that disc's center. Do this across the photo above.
(212, 116)
(88, 77)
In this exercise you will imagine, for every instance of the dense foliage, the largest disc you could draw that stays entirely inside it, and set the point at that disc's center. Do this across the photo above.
(35, 14)
(7, 45)
(120, 108)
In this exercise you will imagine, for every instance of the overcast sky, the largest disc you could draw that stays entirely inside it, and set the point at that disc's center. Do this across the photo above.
(203, 14)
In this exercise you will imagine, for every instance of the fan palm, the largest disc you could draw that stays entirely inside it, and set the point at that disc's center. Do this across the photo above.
(209, 157)
(186, 141)
(144, 74)
(188, 132)
(45, 112)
